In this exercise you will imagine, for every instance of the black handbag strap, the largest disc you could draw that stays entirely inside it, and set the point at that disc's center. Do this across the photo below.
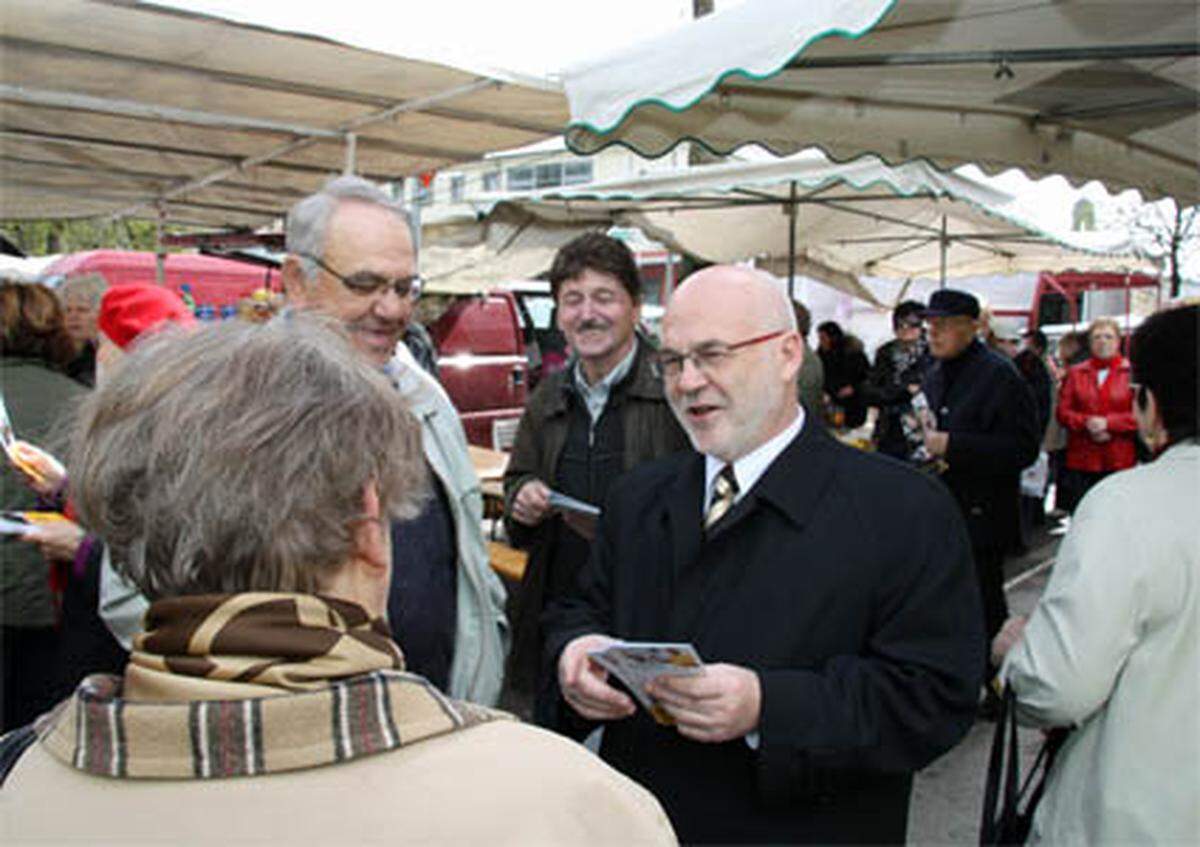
(12, 745)
(1008, 816)
(988, 825)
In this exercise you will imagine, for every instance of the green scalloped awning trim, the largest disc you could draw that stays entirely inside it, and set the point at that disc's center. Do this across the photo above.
(656, 101)
(892, 162)
(995, 214)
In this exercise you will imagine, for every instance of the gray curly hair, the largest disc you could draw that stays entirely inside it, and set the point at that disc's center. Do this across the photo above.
(234, 458)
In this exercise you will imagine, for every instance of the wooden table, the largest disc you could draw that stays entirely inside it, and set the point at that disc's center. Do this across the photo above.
(489, 465)
(507, 561)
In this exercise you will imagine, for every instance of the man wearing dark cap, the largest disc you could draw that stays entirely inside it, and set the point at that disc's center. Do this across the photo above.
(987, 432)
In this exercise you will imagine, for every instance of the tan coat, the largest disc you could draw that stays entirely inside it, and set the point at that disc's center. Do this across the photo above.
(496, 783)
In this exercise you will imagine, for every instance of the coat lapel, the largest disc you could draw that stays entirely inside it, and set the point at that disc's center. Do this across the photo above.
(794, 486)
(685, 500)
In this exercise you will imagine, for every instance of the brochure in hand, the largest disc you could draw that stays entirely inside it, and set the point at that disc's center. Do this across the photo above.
(26, 523)
(635, 663)
(581, 512)
(563, 503)
(34, 462)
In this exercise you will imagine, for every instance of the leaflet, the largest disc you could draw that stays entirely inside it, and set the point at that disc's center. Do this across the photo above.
(564, 503)
(635, 663)
(7, 435)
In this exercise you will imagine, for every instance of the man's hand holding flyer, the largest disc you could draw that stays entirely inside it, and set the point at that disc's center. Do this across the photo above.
(635, 663)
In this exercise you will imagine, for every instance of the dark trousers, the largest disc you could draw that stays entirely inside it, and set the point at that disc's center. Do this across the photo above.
(1079, 483)
(989, 571)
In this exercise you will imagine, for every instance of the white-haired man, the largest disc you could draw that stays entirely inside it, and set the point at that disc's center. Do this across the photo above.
(351, 257)
(829, 592)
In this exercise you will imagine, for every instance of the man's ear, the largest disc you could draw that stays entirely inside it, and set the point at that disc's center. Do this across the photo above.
(295, 282)
(372, 536)
(1147, 408)
(792, 350)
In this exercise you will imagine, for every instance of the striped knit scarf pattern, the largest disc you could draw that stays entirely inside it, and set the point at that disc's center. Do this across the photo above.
(342, 693)
(297, 642)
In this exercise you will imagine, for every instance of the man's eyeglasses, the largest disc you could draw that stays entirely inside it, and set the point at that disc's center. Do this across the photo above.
(367, 283)
(707, 358)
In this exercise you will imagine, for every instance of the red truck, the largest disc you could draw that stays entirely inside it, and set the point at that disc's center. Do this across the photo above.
(213, 282)
(492, 349)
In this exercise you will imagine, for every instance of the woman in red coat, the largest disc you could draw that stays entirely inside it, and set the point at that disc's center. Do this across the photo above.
(1096, 408)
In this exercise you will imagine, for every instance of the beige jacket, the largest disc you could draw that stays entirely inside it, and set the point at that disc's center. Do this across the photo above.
(497, 783)
(378, 758)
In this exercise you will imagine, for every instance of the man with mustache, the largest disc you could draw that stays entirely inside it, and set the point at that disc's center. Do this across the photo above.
(583, 427)
(828, 591)
(351, 258)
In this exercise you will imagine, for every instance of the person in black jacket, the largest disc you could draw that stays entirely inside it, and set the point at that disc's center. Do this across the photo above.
(896, 377)
(846, 368)
(829, 592)
(987, 433)
(1031, 362)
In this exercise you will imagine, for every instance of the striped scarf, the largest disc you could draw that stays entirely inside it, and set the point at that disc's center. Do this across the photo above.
(334, 688)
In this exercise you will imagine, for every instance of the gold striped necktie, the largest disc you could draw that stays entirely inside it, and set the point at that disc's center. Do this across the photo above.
(725, 489)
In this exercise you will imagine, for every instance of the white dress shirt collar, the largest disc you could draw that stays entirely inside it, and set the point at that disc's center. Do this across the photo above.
(749, 468)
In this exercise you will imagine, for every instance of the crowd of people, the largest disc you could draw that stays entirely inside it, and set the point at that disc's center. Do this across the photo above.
(264, 557)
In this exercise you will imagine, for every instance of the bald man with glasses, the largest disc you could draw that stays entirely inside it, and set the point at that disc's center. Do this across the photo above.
(828, 591)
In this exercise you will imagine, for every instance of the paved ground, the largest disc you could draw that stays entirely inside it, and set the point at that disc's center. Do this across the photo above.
(948, 795)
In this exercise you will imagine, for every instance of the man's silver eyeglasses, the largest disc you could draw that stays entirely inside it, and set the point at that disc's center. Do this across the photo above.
(367, 283)
(708, 358)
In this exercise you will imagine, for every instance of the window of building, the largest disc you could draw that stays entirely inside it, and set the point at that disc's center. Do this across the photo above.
(576, 172)
(458, 188)
(491, 181)
(549, 175)
(422, 194)
(520, 178)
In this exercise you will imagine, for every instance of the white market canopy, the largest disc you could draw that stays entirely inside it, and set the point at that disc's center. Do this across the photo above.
(1081, 88)
(840, 221)
(124, 109)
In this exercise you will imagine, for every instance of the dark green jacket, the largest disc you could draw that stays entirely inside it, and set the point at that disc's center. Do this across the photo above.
(650, 432)
(40, 401)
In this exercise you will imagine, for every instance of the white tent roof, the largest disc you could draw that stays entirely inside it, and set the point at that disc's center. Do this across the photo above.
(1086, 89)
(111, 108)
(858, 219)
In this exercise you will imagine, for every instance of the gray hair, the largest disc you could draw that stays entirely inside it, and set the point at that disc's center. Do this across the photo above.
(85, 286)
(234, 458)
(308, 221)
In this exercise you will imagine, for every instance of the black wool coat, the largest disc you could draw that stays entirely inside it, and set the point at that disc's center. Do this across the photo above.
(845, 580)
(988, 410)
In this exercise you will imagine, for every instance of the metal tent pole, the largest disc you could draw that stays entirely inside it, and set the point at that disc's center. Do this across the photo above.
(160, 272)
(351, 154)
(943, 242)
(791, 212)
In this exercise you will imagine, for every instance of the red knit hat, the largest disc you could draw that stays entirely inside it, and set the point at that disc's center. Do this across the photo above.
(130, 310)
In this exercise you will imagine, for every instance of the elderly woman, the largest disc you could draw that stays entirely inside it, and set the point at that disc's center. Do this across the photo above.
(127, 314)
(244, 478)
(1095, 406)
(34, 347)
(1113, 647)
(80, 298)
